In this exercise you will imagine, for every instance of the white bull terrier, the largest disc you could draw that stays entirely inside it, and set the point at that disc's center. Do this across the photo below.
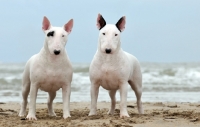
(49, 70)
(114, 69)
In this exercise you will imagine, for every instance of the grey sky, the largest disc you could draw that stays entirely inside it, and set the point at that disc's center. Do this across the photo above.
(156, 30)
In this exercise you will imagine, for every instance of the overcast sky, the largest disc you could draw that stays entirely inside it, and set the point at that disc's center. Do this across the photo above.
(156, 30)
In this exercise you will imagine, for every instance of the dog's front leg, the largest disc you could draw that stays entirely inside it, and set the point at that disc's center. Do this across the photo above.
(123, 100)
(94, 91)
(32, 105)
(66, 91)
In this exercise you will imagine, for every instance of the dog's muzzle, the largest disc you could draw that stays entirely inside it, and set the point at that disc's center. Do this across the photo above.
(56, 52)
(108, 51)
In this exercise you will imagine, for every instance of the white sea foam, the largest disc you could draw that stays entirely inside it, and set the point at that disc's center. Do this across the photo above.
(161, 82)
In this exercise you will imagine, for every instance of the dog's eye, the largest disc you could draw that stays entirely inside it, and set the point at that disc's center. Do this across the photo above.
(63, 35)
(116, 34)
(103, 33)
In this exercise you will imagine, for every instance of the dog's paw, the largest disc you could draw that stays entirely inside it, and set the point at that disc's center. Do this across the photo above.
(141, 112)
(111, 112)
(31, 117)
(125, 115)
(92, 113)
(66, 116)
(52, 114)
(22, 113)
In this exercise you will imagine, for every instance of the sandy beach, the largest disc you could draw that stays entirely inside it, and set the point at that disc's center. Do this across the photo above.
(155, 115)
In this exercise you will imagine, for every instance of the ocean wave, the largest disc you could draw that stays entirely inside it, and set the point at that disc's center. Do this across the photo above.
(157, 78)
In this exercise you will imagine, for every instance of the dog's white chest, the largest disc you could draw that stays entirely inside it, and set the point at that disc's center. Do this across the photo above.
(50, 78)
(52, 81)
(109, 77)
(111, 71)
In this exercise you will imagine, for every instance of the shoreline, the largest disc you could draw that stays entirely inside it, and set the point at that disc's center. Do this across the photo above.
(155, 114)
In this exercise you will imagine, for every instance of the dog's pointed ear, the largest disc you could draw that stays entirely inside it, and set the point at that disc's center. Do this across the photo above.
(121, 23)
(68, 26)
(100, 22)
(45, 24)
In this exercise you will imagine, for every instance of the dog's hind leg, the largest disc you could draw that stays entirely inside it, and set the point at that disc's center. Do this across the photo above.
(112, 94)
(52, 95)
(137, 87)
(25, 92)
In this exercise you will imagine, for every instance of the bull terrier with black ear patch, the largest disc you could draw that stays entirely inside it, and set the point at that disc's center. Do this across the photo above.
(114, 69)
(49, 70)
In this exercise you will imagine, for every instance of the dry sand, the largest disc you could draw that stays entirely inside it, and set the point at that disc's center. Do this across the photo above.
(155, 115)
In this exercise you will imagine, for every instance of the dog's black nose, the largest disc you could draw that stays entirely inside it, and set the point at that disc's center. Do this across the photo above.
(108, 51)
(56, 52)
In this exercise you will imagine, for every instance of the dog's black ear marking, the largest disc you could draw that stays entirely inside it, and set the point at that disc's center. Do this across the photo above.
(102, 22)
(50, 33)
(118, 23)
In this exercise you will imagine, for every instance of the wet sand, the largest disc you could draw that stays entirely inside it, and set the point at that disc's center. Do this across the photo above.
(155, 115)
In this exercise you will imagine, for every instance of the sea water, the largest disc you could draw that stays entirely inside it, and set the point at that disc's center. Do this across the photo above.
(162, 82)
